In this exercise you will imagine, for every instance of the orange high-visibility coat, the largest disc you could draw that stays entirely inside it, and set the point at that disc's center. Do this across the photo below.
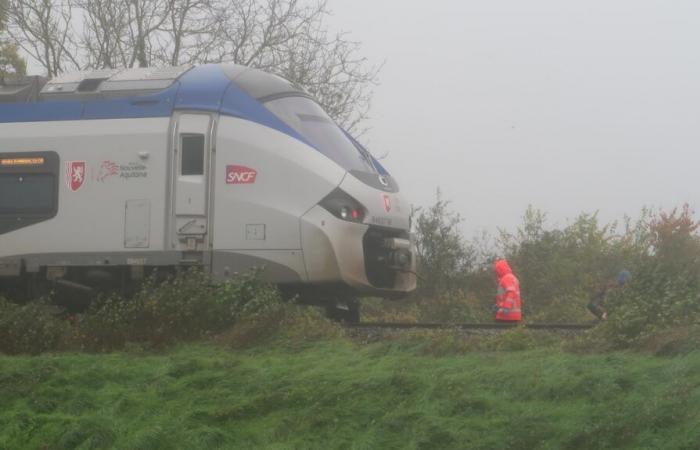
(508, 299)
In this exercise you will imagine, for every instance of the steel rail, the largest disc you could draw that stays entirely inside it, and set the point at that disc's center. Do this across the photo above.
(474, 326)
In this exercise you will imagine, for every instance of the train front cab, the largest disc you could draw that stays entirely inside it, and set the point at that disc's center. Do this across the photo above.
(370, 259)
(356, 239)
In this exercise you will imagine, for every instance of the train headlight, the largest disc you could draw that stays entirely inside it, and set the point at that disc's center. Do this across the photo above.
(344, 207)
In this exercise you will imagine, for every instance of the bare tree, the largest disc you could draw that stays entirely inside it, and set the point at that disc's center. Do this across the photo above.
(145, 19)
(189, 33)
(43, 29)
(287, 37)
(290, 38)
(334, 74)
(104, 33)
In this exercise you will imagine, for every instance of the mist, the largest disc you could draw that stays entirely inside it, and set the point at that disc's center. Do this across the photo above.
(567, 106)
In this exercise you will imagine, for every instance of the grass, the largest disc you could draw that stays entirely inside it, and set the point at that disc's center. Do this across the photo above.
(336, 394)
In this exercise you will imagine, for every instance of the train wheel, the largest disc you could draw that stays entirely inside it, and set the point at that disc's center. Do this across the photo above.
(344, 310)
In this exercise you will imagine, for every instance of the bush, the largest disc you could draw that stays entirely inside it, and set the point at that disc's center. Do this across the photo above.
(672, 342)
(665, 290)
(457, 306)
(185, 307)
(294, 325)
(32, 328)
(559, 270)
(444, 257)
(517, 339)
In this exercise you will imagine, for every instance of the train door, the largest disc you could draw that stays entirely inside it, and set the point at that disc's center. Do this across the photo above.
(193, 158)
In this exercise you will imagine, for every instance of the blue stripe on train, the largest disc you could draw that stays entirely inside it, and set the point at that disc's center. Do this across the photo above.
(204, 88)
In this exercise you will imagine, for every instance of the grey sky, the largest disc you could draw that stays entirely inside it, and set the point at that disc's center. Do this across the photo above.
(569, 106)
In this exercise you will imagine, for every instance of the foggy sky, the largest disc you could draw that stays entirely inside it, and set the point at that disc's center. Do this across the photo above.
(569, 106)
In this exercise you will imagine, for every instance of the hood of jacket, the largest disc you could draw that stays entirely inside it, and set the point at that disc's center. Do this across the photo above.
(502, 268)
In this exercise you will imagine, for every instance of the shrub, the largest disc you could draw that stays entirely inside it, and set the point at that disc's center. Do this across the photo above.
(443, 342)
(457, 306)
(444, 257)
(664, 292)
(184, 307)
(672, 342)
(32, 328)
(294, 325)
(517, 339)
(559, 269)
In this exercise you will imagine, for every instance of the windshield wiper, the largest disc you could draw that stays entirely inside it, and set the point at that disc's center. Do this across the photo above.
(367, 157)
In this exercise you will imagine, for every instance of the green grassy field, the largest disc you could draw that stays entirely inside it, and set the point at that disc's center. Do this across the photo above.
(337, 394)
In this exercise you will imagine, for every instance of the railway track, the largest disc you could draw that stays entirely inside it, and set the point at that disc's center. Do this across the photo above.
(474, 326)
(375, 331)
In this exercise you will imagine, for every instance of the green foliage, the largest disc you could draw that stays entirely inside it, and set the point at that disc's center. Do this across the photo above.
(10, 61)
(32, 328)
(447, 342)
(332, 395)
(679, 340)
(560, 269)
(665, 292)
(293, 326)
(517, 339)
(457, 306)
(444, 259)
(186, 307)
(3, 14)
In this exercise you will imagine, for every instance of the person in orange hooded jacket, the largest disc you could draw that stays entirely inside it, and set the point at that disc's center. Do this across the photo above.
(508, 305)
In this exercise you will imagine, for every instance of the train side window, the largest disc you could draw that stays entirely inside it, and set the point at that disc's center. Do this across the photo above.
(192, 162)
(31, 193)
(28, 189)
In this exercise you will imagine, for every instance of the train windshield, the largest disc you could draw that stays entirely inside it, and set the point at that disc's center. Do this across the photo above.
(308, 119)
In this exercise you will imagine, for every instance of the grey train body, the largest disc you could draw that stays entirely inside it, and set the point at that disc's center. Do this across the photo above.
(112, 174)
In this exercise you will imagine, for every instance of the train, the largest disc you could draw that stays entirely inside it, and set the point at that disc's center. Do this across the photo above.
(109, 175)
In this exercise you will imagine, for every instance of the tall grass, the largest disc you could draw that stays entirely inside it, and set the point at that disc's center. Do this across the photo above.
(334, 394)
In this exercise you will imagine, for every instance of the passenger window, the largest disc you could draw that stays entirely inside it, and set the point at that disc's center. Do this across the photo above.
(192, 155)
(28, 189)
(29, 193)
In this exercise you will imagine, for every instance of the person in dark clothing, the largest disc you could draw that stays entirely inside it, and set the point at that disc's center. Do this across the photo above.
(597, 303)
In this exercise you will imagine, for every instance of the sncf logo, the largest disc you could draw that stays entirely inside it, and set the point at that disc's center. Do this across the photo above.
(240, 175)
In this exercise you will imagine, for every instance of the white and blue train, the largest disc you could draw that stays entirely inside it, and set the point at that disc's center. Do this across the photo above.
(106, 175)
